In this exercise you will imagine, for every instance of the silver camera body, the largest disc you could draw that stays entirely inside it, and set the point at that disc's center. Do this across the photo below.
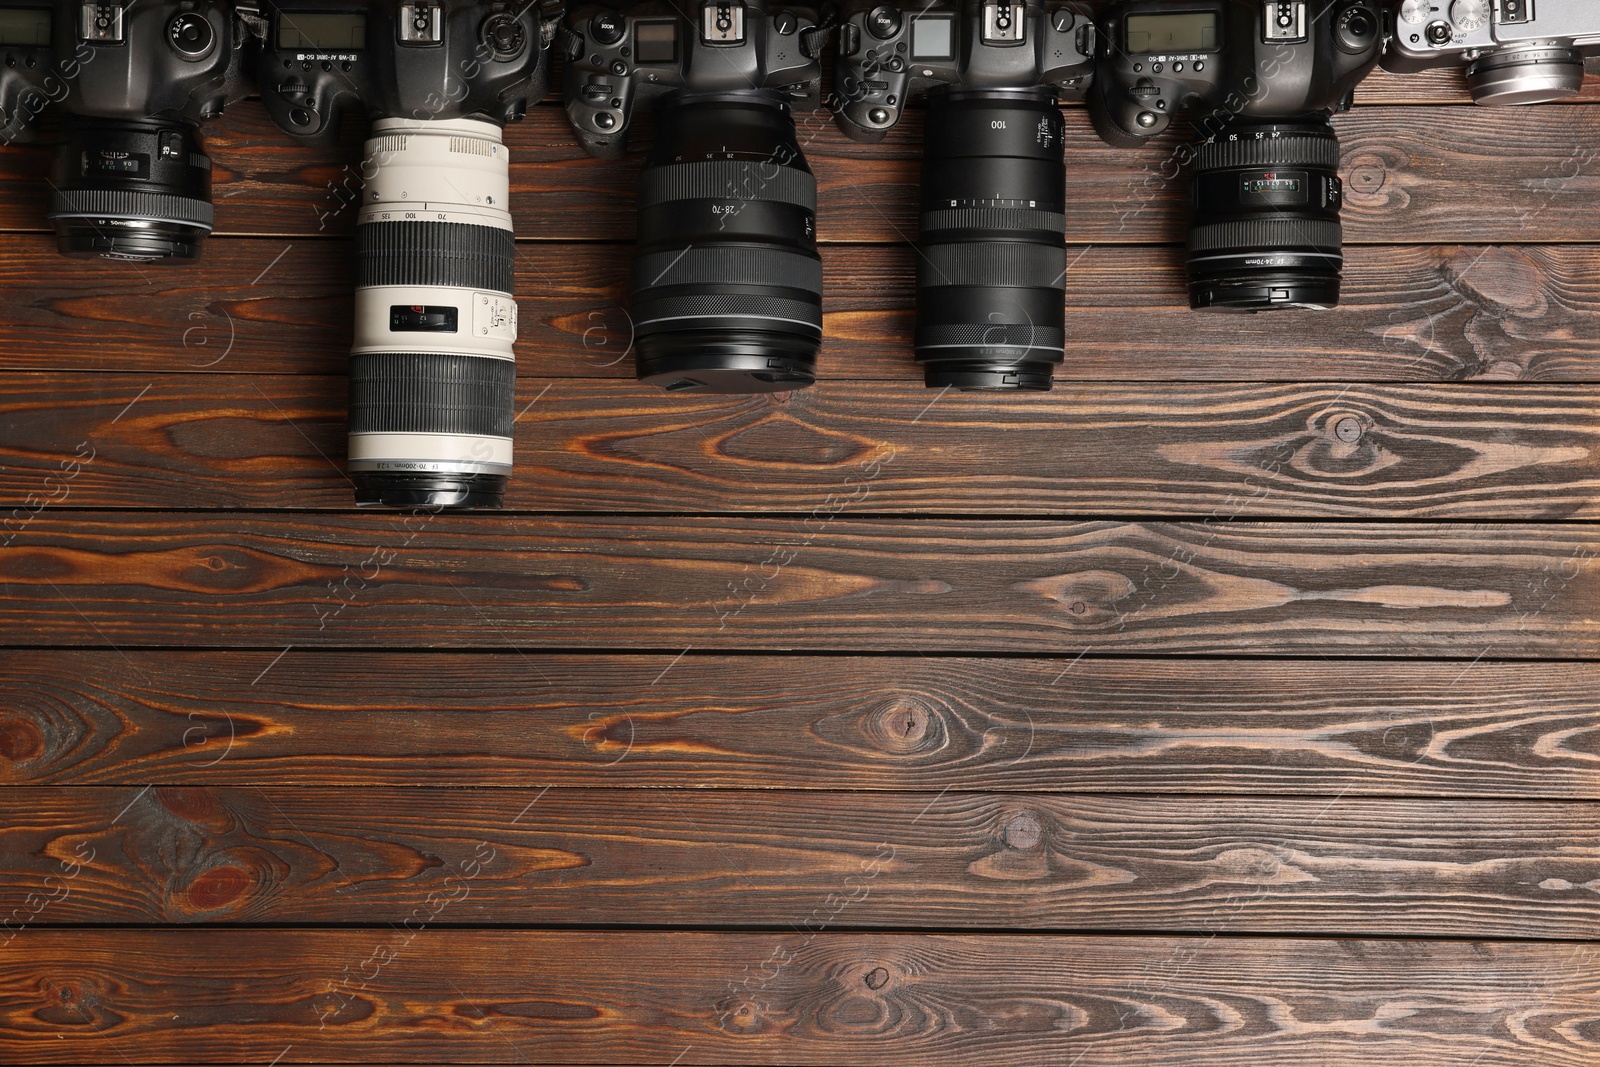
(1514, 51)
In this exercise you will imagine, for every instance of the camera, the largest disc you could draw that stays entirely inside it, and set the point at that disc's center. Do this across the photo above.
(1514, 51)
(432, 370)
(992, 260)
(1261, 79)
(727, 283)
(135, 80)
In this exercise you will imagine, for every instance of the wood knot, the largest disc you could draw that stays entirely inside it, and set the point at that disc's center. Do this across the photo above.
(877, 978)
(218, 887)
(188, 802)
(20, 740)
(1022, 832)
(903, 724)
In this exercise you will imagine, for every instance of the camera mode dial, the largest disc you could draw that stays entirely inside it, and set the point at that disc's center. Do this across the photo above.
(191, 35)
(1469, 15)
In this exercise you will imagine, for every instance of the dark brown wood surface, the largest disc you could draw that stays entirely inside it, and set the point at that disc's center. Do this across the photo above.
(936, 744)
(790, 997)
(1478, 728)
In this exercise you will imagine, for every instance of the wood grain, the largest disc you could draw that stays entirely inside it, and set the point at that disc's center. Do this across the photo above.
(1349, 866)
(1413, 174)
(882, 723)
(815, 582)
(514, 997)
(229, 441)
(271, 306)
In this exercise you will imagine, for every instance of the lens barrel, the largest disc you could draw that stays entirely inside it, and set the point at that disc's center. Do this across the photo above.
(727, 284)
(1265, 232)
(1535, 72)
(433, 371)
(992, 256)
(130, 190)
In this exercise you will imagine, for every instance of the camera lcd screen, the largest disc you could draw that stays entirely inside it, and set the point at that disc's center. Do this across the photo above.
(933, 37)
(656, 42)
(1193, 31)
(324, 33)
(25, 26)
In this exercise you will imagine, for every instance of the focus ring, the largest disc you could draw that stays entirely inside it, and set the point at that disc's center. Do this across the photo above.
(415, 392)
(992, 263)
(435, 253)
(1290, 150)
(118, 203)
(1267, 234)
(1007, 335)
(724, 179)
(727, 265)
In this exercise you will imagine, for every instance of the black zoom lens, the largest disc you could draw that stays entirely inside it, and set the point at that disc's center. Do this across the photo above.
(1265, 232)
(727, 285)
(131, 190)
(992, 265)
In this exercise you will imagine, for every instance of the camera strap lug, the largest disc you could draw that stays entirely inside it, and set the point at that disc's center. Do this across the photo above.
(814, 42)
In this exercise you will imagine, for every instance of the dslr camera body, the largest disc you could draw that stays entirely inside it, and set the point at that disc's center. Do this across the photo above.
(135, 80)
(1513, 51)
(1266, 76)
(727, 284)
(432, 369)
(992, 268)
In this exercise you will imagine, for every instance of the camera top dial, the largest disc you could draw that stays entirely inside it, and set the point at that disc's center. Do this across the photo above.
(1415, 12)
(1469, 15)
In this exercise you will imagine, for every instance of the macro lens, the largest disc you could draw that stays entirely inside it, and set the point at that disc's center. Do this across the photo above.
(1265, 232)
(992, 265)
(727, 284)
(433, 372)
(131, 190)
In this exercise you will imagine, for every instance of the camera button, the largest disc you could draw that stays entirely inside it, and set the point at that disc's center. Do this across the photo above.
(883, 22)
(191, 35)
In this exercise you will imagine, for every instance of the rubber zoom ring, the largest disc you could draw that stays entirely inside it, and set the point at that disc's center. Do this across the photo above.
(435, 253)
(992, 263)
(994, 335)
(1267, 235)
(723, 179)
(1290, 150)
(727, 265)
(417, 392)
(652, 311)
(991, 219)
(121, 203)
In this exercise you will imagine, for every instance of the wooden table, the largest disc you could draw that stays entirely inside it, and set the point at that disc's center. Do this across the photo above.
(1235, 702)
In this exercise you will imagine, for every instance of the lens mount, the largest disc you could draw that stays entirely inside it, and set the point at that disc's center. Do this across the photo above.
(727, 284)
(1265, 233)
(992, 252)
(131, 190)
(1527, 74)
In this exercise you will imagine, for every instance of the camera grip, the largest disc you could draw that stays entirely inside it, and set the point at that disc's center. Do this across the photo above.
(1117, 123)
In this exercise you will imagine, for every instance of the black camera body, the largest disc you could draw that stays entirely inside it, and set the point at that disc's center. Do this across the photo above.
(890, 54)
(1246, 60)
(617, 56)
(135, 80)
(1261, 79)
(420, 61)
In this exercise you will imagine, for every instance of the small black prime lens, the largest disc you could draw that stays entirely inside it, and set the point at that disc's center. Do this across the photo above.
(134, 190)
(727, 284)
(992, 256)
(1265, 232)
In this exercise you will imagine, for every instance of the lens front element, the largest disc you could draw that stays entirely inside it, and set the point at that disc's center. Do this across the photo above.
(432, 371)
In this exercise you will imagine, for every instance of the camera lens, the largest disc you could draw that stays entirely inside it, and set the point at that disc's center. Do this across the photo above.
(130, 190)
(992, 262)
(727, 284)
(1535, 73)
(432, 371)
(1265, 232)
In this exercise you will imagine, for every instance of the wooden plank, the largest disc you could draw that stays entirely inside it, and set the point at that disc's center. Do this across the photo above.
(1342, 727)
(815, 582)
(537, 856)
(1485, 452)
(515, 997)
(1413, 174)
(1434, 313)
